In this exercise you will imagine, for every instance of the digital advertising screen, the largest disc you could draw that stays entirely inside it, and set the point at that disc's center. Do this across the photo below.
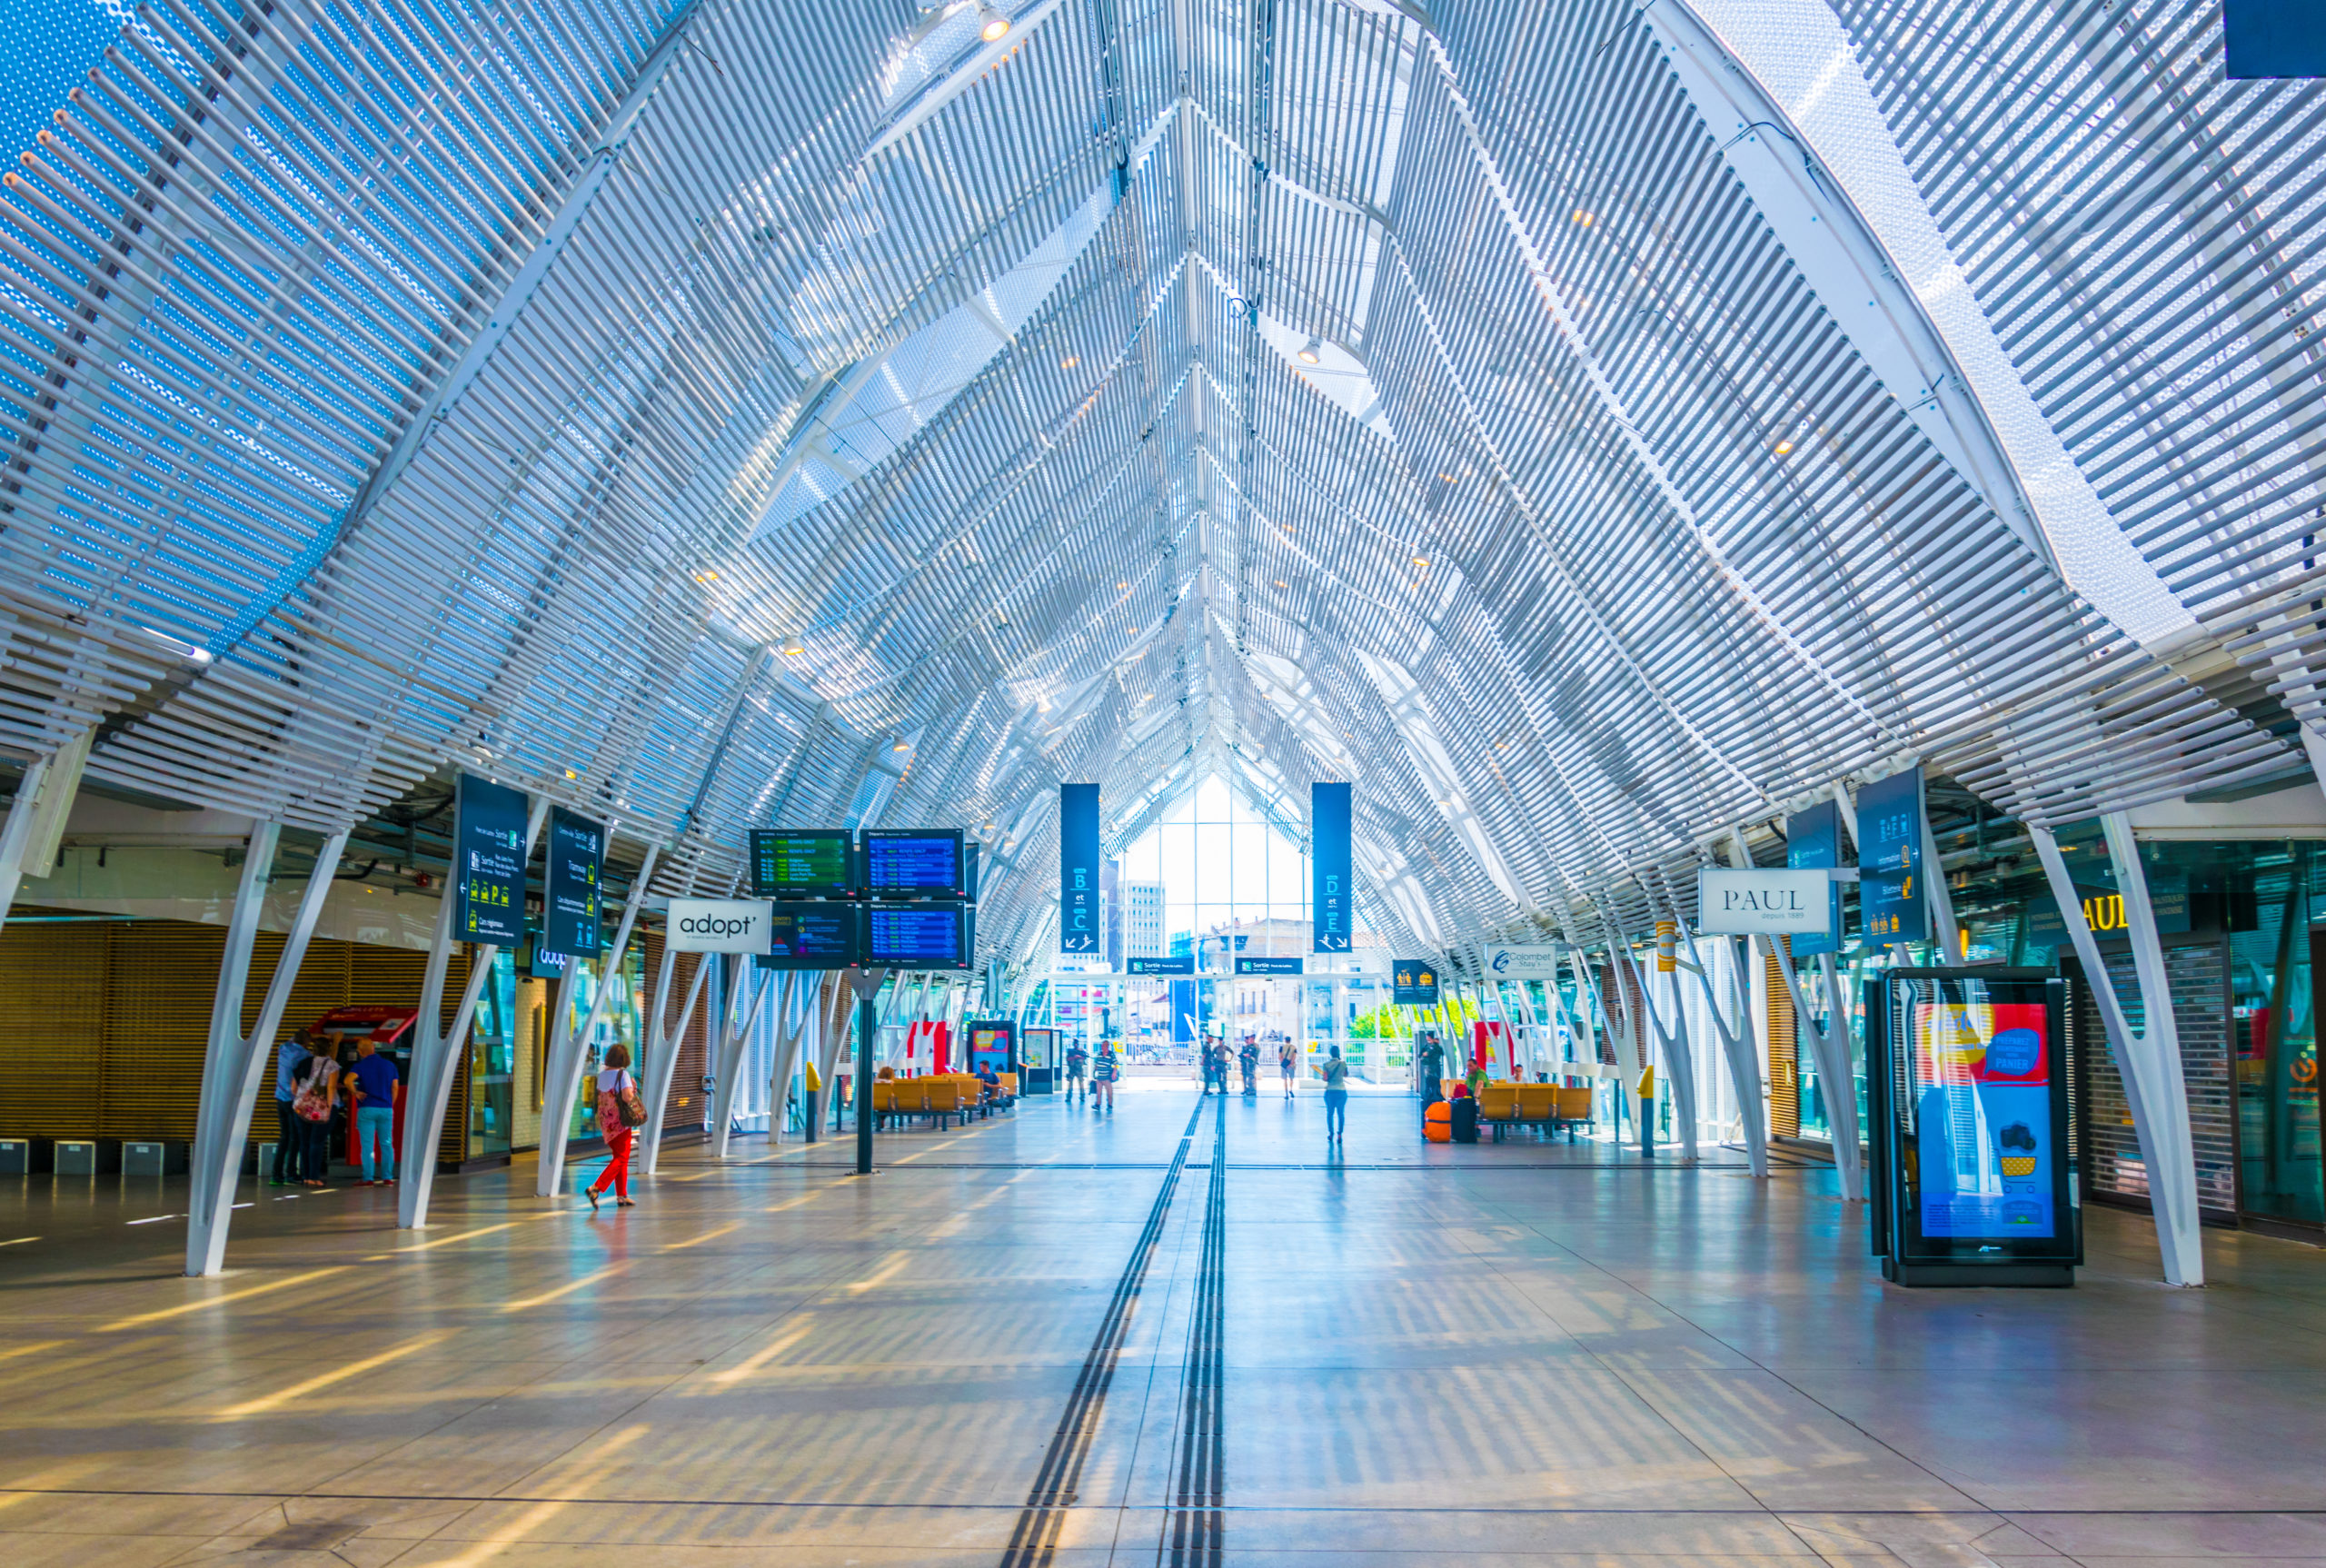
(914, 863)
(992, 1043)
(1981, 1079)
(813, 935)
(917, 937)
(1966, 1082)
(802, 862)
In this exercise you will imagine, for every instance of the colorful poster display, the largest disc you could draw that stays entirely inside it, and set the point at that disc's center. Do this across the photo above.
(1813, 842)
(573, 921)
(1983, 1120)
(1078, 913)
(489, 864)
(1890, 859)
(1333, 903)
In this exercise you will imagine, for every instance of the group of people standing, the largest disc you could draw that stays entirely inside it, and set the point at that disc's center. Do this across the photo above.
(1103, 1073)
(311, 1087)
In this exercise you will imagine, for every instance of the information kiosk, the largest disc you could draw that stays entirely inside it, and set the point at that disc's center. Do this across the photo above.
(1967, 1086)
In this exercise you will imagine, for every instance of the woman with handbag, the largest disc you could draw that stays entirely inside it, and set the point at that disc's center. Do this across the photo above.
(620, 1113)
(315, 1092)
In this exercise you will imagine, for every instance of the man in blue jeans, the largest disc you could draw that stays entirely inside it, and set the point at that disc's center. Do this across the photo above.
(375, 1112)
(289, 1137)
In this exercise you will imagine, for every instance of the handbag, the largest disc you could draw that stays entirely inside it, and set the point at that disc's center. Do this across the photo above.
(312, 1106)
(633, 1109)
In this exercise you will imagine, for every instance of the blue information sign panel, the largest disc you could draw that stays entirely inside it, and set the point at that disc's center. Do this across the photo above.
(1333, 910)
(1813, 842)
(489, 864)
(571, 922)
(914, 863)
(917, 937)
(1176, 964)
(1077, 868)
(1266, 966)
(1413, 983)
(1890, 859)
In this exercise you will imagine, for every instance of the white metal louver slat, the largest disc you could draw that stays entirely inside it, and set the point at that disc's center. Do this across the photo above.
(979, 380)
(2143, 231)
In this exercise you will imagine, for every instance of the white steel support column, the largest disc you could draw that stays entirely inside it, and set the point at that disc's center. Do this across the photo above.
(561, 1080)
(2149, 1061)
(662, 1065)
(727, 1060)
(1736, 1048)
(565, 1081)
(436, 1049)
(1829, 1043)
(235, 1064)
(832, 1023)
(1679, 1061)
(792, 1010)
(1944, 934)
(16, 834)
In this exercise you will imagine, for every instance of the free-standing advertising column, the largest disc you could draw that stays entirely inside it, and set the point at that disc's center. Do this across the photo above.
(1969, 1105)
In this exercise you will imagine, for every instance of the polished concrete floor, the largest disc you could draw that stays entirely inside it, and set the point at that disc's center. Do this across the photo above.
(1183, 1333)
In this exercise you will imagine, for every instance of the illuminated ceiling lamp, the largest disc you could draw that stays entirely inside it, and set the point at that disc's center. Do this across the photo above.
(793, 648)
(1312, 353)
(991, 24)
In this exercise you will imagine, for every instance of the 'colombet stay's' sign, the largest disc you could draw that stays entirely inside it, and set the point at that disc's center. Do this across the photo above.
(1765, 901)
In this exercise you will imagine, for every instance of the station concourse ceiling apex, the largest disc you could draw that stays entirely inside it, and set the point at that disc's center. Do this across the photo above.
(1588, 428)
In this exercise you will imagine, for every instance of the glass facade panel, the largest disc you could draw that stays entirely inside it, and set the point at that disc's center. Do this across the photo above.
(492, 1061)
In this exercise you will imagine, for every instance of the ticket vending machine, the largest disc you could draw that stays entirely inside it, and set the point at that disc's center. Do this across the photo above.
(1967, 1123)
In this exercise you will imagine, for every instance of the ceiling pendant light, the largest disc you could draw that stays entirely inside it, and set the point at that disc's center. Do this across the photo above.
(1312, 353)
(991, 24)
(793, 647)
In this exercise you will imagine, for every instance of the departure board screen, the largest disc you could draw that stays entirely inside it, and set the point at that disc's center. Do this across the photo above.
(915, 863)
(917, 937)
(801, 862)
(813, 937)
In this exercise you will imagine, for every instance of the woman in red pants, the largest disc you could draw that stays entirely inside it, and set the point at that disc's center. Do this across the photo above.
(620, 1115)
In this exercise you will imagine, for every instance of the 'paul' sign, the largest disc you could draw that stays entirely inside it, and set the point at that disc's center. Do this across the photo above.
(1761, 902)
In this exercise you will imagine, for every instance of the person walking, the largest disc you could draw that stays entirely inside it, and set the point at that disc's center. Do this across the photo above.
(1336, 1098)
(620, 1113)
(1287, 1060)
(1078, 1066)
(1103, 1074)
(290, 1132)
(375, 1114)
(315, 1092)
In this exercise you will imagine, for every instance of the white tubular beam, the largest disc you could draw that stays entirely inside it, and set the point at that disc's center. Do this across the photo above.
(1743, 1069)
(236, 1064)
(434, 1049)
(567, 1045)
(791, 1023)
(1830, 1047)
(2150, 1061)
(1841, 1105)
(1672, 1044)
(664, 1065)
(561, 1081)
(221, 1114)
(726, 1065)
(1945, 933)
(16, 834)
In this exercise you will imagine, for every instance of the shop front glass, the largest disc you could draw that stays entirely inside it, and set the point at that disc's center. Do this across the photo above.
(493, 1060)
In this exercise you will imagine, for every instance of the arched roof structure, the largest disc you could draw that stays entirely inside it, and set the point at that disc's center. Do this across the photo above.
(1592, 428)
